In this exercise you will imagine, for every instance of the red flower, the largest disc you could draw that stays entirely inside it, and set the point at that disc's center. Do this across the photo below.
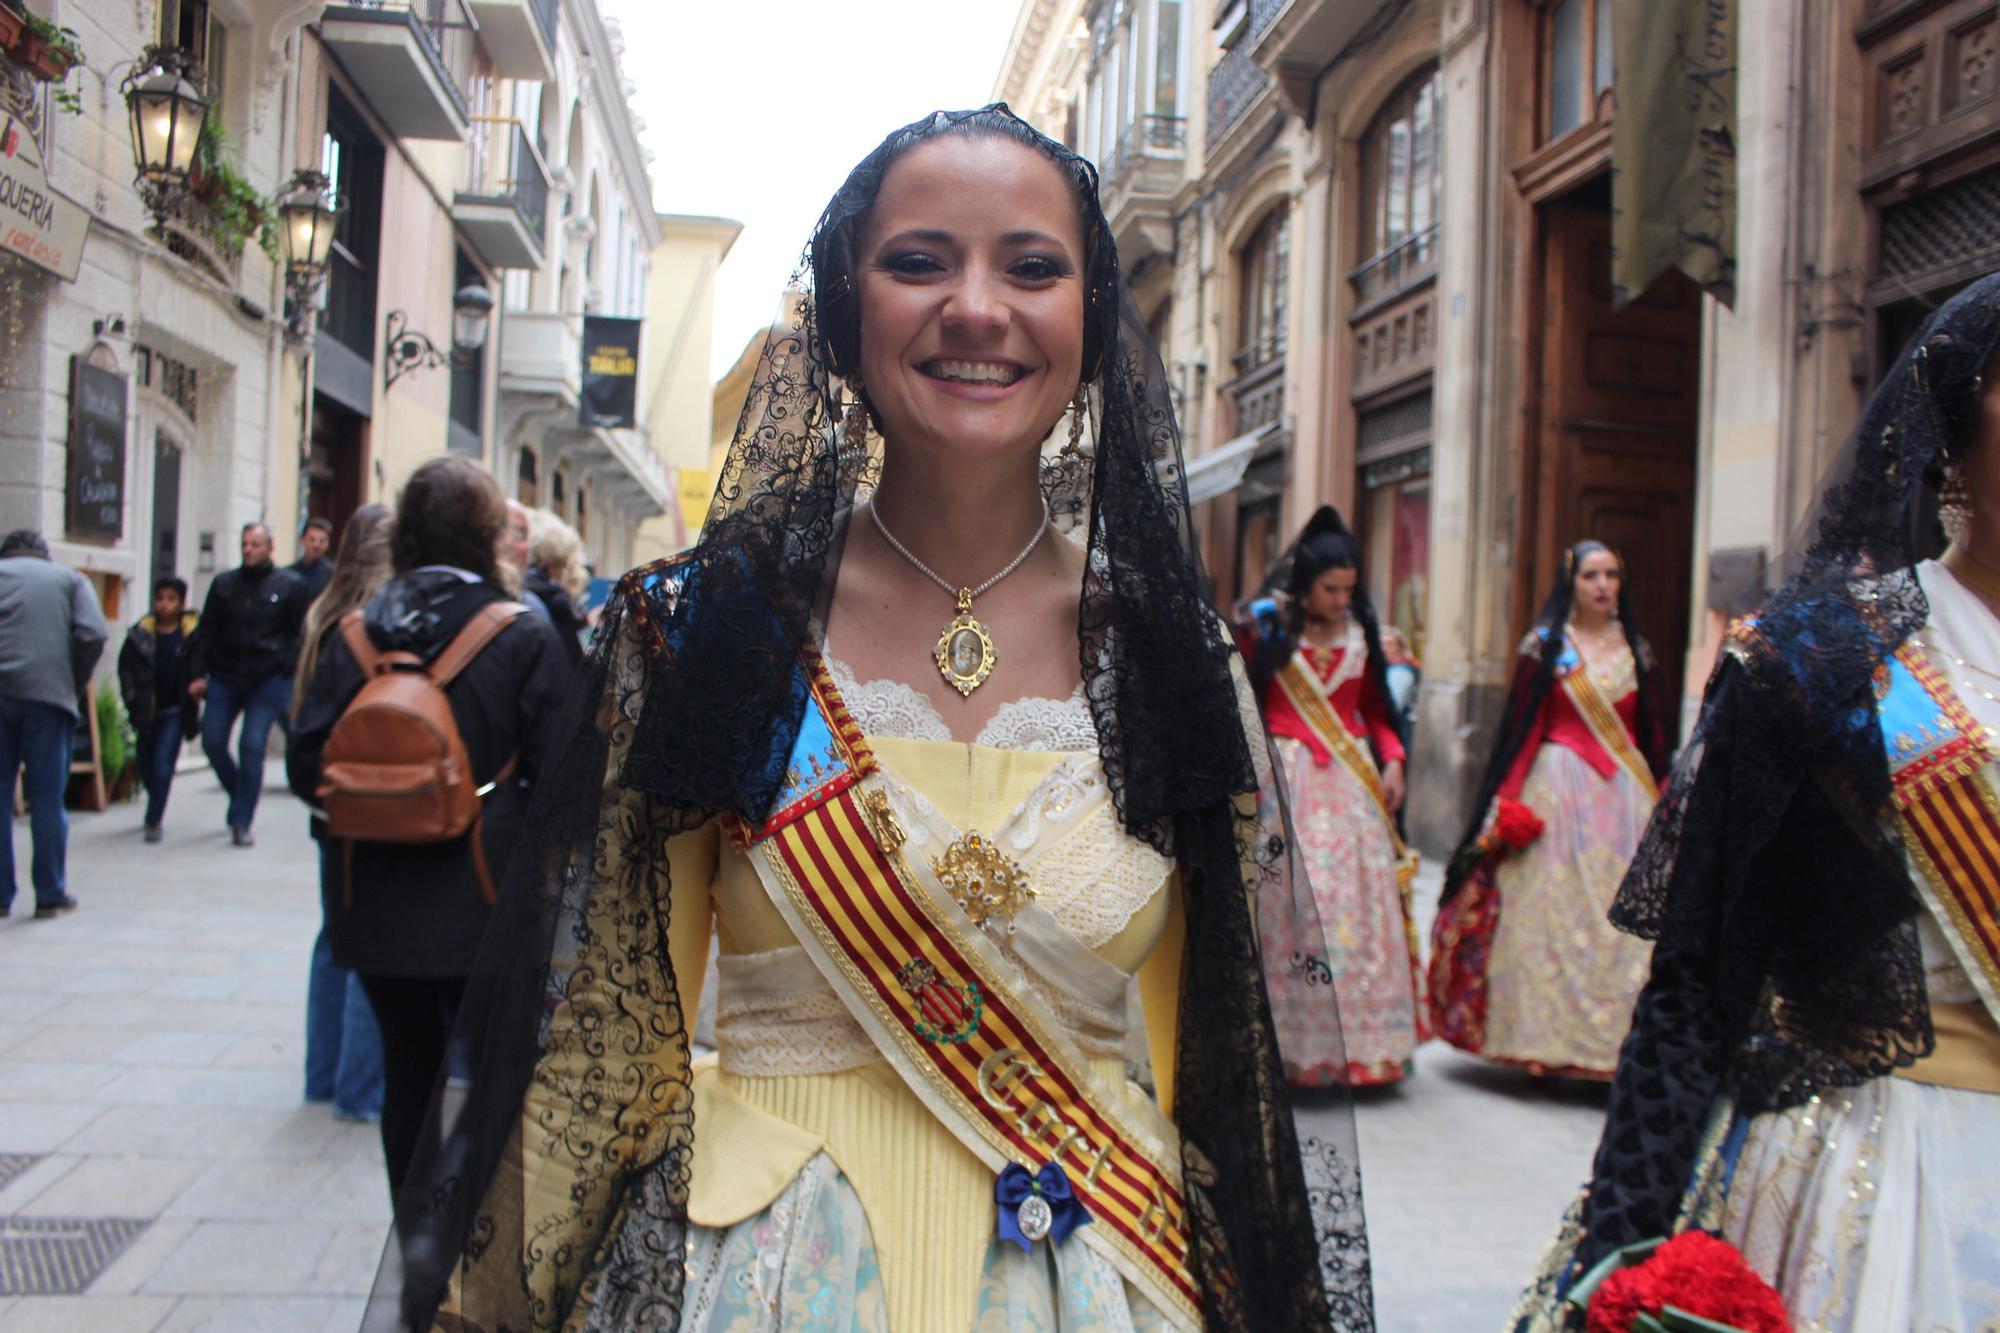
(1694, 1272)
(1515, 825)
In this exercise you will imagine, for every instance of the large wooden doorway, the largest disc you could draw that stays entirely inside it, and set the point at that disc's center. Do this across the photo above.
(1614, 455)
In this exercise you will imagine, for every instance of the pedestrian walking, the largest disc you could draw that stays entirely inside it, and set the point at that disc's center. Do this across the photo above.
(516, 557)
(1525, 968)
(870, 767)
(557, 576)
(343, 1041)
(404, 914)
(1403, 674)
(51, 635)
(312, 566)
(1316, 657)
(1813, 1072)
(245, 651)
(153, 677)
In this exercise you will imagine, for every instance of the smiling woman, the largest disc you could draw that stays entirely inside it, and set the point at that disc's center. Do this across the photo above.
(937, 864)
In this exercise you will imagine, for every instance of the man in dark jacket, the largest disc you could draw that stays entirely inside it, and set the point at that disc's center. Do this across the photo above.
(153, 677)
(407, 917)
(312, 565)
(244, 652)
(51, 635)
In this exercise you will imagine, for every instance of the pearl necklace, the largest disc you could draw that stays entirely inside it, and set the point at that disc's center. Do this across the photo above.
(964, 654)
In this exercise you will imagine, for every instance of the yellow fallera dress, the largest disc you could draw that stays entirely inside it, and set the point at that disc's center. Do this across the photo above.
(823, 1192)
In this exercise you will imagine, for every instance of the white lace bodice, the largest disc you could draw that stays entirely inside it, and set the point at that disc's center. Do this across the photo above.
(891, 708)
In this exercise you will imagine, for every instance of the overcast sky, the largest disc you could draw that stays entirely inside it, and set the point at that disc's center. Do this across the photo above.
(757, 109)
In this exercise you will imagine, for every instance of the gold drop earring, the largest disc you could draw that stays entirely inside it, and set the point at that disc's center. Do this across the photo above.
(854, 423)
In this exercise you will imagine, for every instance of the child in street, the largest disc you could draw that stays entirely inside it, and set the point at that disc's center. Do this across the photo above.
(152, 675)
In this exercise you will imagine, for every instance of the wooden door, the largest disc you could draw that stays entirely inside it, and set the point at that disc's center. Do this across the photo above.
(1616, 456)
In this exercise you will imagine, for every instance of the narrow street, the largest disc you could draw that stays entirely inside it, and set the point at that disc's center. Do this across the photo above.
(150, 1112)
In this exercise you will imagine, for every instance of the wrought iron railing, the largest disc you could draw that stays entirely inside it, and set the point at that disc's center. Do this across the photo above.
(504, 164)
(1397, 269)
(545, 18)
(1147, 139)
(189, 228)
(444, 32)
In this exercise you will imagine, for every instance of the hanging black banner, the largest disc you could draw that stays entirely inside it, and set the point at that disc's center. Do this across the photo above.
(610, 372)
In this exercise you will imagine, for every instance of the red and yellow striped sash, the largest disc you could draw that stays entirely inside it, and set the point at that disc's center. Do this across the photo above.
(1608, 727)
(993, 1072)
(1949, 812)
(1309, 700)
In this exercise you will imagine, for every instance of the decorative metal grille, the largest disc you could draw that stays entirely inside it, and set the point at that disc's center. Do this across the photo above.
(1957, 223)
(1232, 85)
(59, 1256)
(13, 1164)
(177, 380)
(1396, 424)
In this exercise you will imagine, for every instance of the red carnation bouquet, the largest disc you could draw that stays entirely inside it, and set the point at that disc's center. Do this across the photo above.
(1514, 826)
(1693, 1283)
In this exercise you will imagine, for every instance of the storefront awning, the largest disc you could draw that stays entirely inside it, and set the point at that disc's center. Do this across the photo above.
(1221, 469)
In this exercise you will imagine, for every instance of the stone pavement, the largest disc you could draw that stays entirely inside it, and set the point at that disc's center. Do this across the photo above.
(150, 1072)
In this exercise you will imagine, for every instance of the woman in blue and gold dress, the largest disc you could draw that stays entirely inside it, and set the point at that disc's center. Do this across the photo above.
(942, 745)
(1813, 1071)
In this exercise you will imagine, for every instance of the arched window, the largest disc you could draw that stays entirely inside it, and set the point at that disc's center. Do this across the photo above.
(1262, 264)
(1400, 179)
(525, 489)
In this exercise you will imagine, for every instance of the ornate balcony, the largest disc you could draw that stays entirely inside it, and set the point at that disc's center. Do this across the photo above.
(1397, 269)
(1138, 186)
(1298, 39)
(1237, 81)
(504, 208)
(410, 59)
(520, 36)
(191, 230)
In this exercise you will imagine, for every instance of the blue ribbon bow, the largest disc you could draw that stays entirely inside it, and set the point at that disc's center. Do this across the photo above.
(1015, 1185)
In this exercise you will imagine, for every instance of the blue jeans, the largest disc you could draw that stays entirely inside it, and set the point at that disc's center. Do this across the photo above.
(260, 705)
(159, 751)
(343, 1042)
(41, 737)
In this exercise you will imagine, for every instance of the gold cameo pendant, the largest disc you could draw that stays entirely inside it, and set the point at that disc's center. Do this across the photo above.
(965, 650)
(982, 879)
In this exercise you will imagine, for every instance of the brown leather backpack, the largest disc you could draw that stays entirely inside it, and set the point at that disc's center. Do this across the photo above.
(395, 768)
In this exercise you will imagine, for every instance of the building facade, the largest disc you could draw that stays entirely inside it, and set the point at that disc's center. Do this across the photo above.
(142, 413)
(1376, 253)
(158, 386)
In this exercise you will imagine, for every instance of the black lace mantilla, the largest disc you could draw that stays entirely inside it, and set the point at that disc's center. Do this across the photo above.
(579, 1042)
(1770, 876)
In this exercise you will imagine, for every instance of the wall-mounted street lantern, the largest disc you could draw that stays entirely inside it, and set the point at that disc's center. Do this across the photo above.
(165, 97)
(307, 212)
(471, 312)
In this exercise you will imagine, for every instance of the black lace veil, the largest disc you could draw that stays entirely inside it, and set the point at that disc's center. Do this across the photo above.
(693, 702)
(1786, 961)
(1526, 695)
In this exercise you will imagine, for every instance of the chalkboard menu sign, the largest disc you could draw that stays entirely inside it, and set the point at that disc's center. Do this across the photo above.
(96, 452)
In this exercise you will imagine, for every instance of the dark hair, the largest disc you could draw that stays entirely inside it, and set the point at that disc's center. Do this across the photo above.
(24, 539)
(1324, 543)
(1524, 705)
(256, 523)
(167, 581)
(318, 524)
(836, 285)
(451, 512)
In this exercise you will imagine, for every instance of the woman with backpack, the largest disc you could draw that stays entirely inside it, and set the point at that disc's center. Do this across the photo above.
(407, 905)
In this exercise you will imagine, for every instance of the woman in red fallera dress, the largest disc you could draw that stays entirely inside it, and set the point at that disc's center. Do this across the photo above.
(1316, 660)
(1525, 968)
